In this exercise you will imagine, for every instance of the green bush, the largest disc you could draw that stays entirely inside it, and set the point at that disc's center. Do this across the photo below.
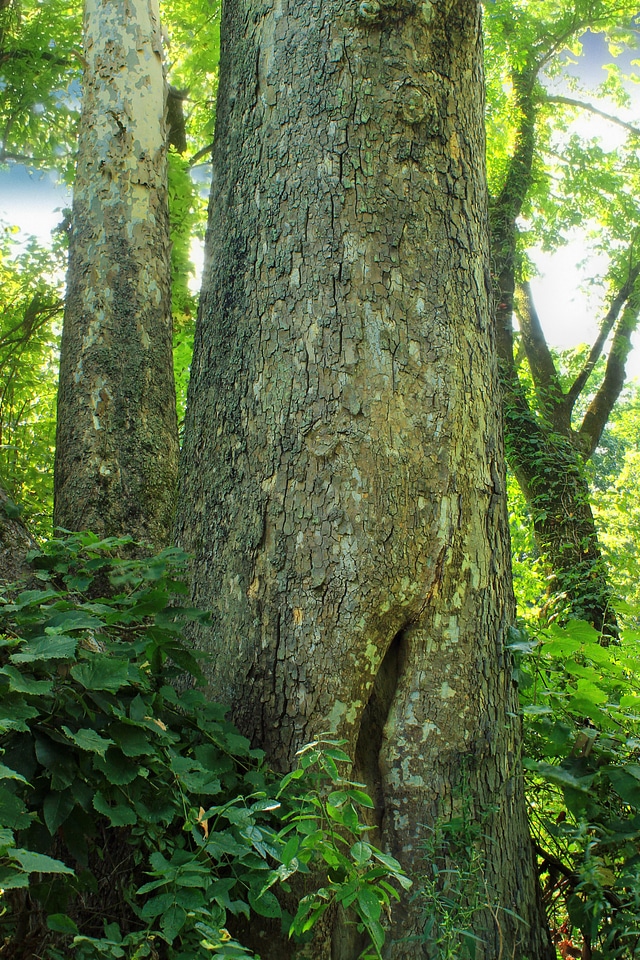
(581, 702)
(135, 821)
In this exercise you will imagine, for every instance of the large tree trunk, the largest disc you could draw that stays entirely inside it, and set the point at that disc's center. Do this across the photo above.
(342, 488)
(117, 440)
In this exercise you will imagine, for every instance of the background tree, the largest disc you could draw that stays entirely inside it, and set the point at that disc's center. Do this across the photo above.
(117, 442)
(342, 490)
(555, 180)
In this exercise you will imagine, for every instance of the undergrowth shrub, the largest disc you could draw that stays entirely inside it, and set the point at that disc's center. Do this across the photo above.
(581, 702)
(135, 821)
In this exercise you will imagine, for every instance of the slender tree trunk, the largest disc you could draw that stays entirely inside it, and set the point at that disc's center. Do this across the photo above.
(15, 542)
(117, 441)
(342, 488)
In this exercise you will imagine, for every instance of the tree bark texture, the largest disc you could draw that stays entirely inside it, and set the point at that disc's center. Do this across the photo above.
(117, 440)
(342, 488)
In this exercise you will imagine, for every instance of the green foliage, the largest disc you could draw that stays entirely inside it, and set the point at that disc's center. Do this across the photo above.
(133, 817)
(581, 704)
(194, 50)
(39, 63)
(31, 312)
(454, 886)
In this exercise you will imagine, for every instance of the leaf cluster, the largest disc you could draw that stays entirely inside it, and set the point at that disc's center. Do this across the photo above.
(581, 702)
(134, 819)
(31, 313)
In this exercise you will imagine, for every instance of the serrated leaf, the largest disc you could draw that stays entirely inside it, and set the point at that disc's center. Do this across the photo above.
(89, 740)
(74, 620)
(19, 683)
(132, 740)
(117, 768)
(97, 672)
(6, 773)
(39, 862)
(52, 647)
(172, 922)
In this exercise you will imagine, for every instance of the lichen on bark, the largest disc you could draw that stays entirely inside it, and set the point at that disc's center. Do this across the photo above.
(342, 487)
(117, 440)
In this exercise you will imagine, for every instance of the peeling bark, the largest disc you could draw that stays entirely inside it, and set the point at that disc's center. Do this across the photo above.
(342, 489)
(117, 440)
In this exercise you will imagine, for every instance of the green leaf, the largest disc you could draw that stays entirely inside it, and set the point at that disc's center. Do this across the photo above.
(12, 878)
(98, 672)
(13, 812)
(56, 808)
(362, 798)
(117, 768)
(19, 683)
(52, 647)
(132, 740)
(119, 815)
(6, 773)
(89, 740)
(61, 923)
(361, 852)
(172, 922)
(265, 904)
(369, 905)
(39, 862)
(74, 620)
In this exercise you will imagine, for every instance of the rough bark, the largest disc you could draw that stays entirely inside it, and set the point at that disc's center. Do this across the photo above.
(342, 489)
(117, 439)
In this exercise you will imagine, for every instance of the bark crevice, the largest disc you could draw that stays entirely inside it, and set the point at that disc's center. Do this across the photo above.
(372, 724)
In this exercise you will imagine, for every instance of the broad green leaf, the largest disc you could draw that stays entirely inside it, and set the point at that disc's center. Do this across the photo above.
(74, 620)
(56, 808)
(19, 683)
(61, 923)
(13, 812)
(361, 852)
(118, 814)
(89, 740)
(6, 773)
(52, 647)
(39, 862)
(172, 922)
(98, 672)
(265, 905)
(369, 905)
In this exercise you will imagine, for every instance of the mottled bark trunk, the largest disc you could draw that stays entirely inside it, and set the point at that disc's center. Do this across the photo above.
(117, 441)
(342, 486)
(15, 542)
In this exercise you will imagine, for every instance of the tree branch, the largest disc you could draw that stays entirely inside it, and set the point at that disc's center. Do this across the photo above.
(543, 369)
(570, 102)
(596, 350)
(597, 415)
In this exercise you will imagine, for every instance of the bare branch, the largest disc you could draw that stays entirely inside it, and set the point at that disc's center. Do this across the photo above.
(582, 105)
(596, 417)
(607, 326)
